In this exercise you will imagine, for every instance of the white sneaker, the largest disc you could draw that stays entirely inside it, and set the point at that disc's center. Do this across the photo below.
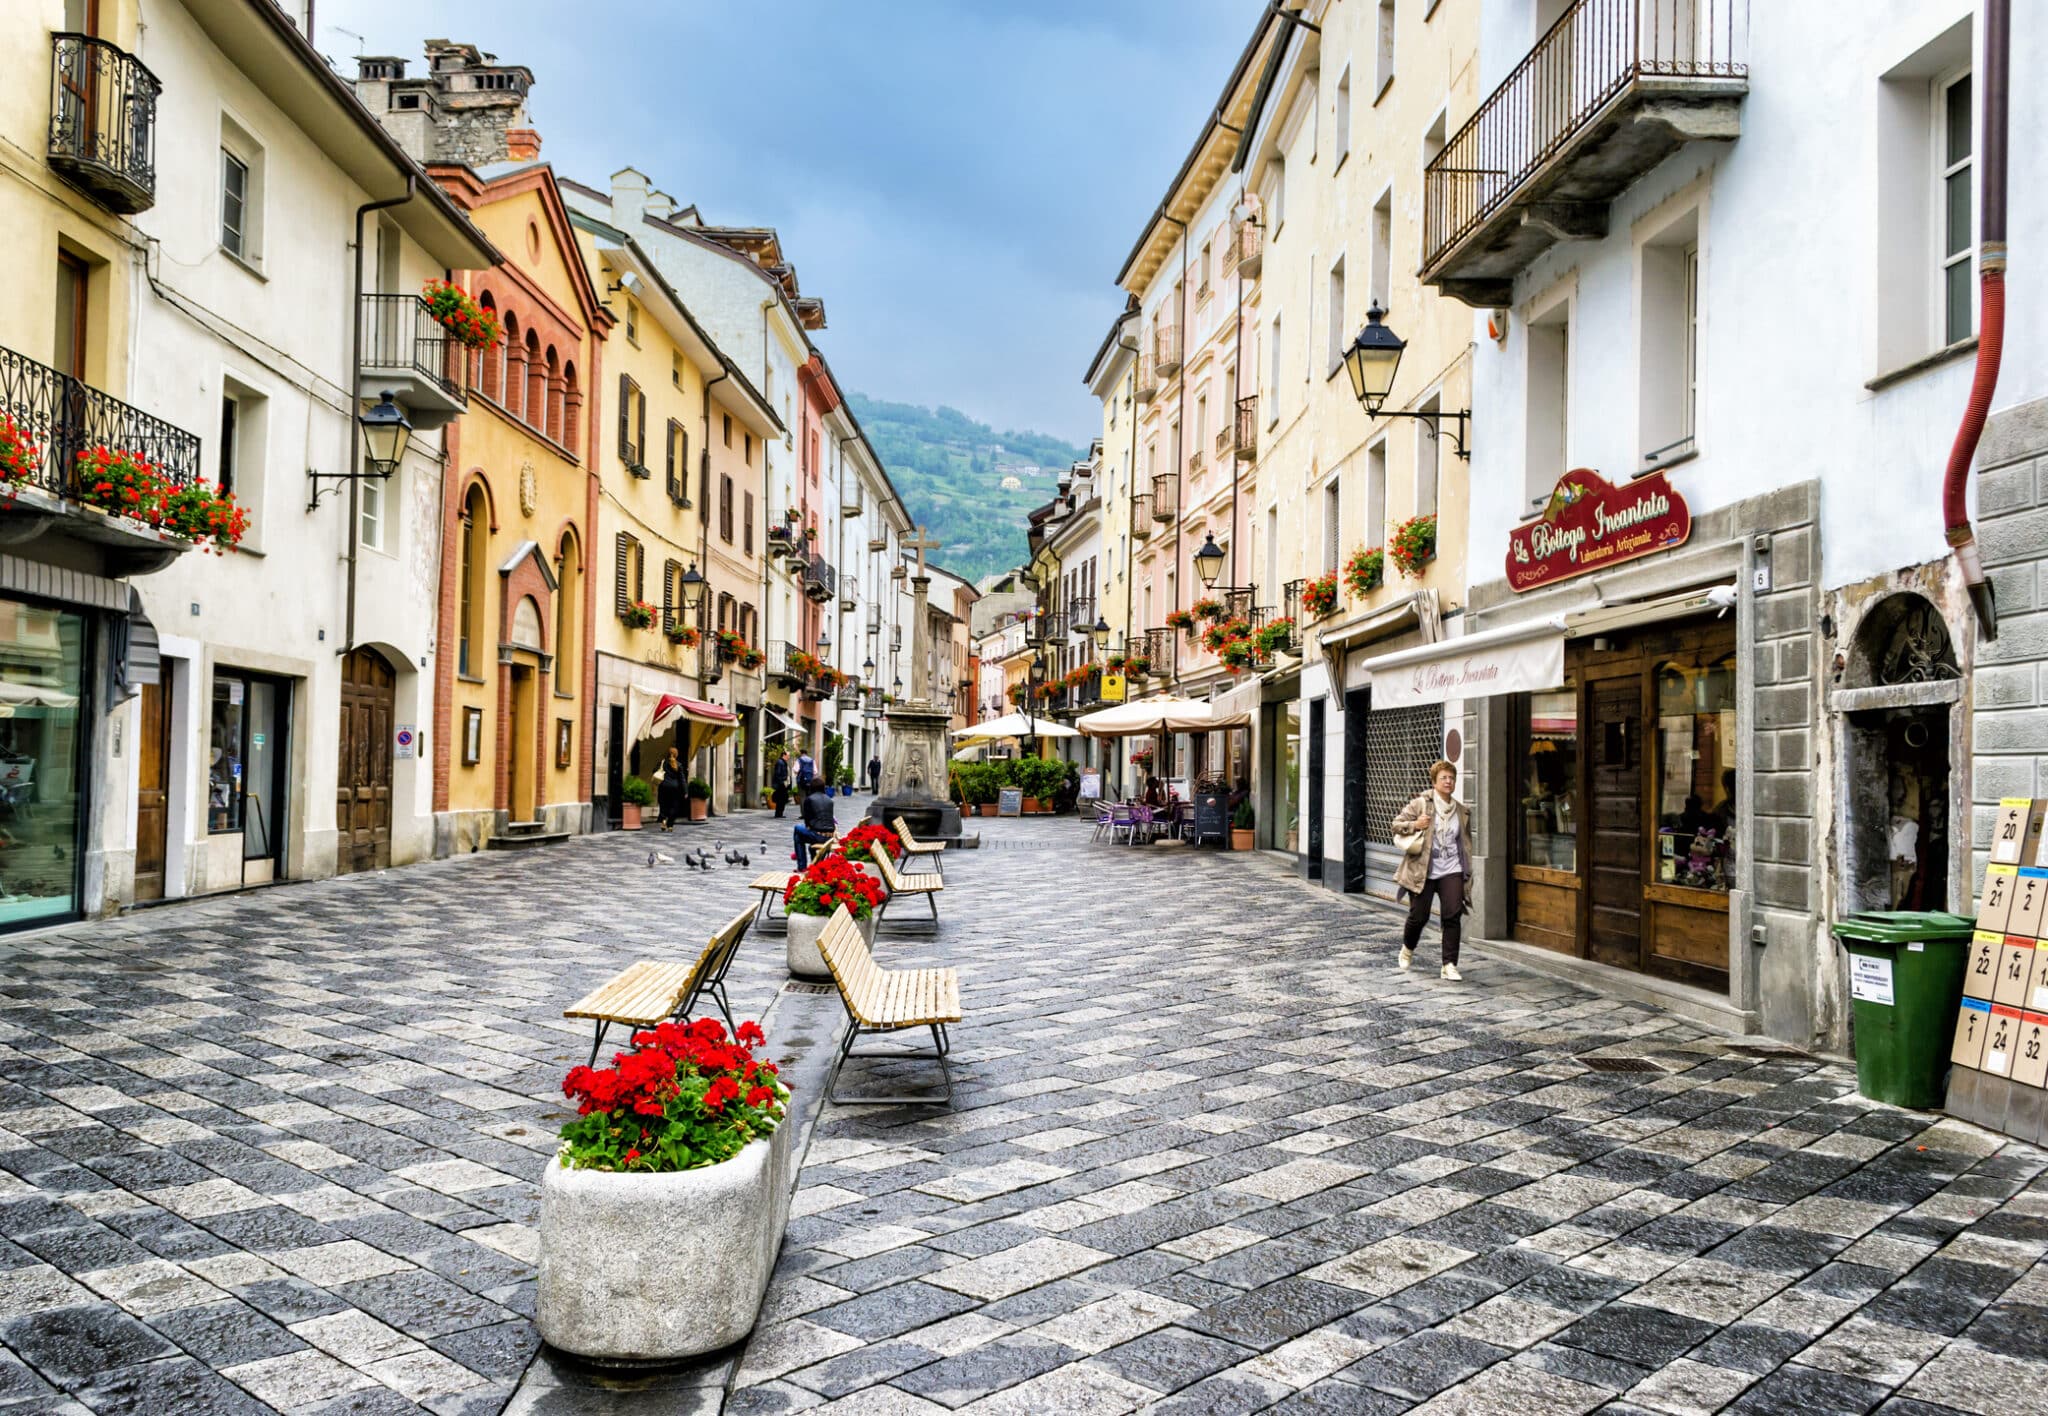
(1407, 958)
(1450, 971)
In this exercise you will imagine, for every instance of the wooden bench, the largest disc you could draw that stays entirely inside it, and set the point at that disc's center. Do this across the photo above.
(772, 885)
(914, 849)
(927, 885)
(648, 992)
(881, 1001)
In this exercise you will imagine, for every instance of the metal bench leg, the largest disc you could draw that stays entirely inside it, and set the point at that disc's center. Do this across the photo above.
(717, 990)
(945, 1098)
(603, 1027)
(931, 897)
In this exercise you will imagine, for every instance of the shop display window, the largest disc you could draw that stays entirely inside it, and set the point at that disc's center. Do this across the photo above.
(1696, 774)
(1549, 817)
(42, 730)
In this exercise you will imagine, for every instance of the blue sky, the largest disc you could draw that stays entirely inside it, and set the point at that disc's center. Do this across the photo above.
(960, 180)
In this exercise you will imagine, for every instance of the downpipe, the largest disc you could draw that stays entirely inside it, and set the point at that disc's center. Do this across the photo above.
(1962, 539)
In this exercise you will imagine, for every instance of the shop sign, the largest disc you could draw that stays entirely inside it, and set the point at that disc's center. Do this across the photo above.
(1112, 690)
(1591, 524)
(1519, 666)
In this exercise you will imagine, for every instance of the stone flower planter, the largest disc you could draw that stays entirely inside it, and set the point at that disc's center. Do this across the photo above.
(801, 943)
(651, 1268)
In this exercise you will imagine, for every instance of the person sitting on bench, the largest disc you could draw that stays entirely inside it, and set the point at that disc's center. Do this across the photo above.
(817, 826)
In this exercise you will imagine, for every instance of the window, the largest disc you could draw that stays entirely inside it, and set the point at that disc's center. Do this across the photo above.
(1547, 377)
(475, 526)
(1383, 61)
(747, 532)
(1376, 494)
(371, 507)
(1546, 820)
(725, 490)
(675, 370)
(678, 463)
(1201, 424)
(1428, 453)
(74, 282)
(632, 321)
(1202, 270)
(1956, 155)
(230, 446)
(1667, 359)
(568, 612)
(1333, 525)
(632, 426)
(1273, 390)
(234, 205)
(747, 442)
(671, 594)
(1382, 252)
(1696, 774)
(728, 434)
(1334, 336)
(629, 572)
(1341, 138)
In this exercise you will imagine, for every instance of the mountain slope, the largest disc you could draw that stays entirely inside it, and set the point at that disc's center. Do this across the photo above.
(970, 485)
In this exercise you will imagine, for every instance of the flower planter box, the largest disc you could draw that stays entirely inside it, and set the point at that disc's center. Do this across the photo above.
(800, 944)
(652, 1268)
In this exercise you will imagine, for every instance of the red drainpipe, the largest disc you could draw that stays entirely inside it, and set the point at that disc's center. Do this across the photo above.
(1990, 319)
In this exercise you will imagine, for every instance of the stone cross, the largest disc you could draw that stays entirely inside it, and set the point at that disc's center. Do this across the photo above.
(920, 687)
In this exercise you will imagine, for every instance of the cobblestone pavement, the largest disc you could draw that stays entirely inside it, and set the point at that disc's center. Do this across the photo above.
(281, 1150)
(1209, 1153)
(1212, 1153)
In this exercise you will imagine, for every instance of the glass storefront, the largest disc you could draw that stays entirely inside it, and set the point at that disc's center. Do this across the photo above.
(1549, 835)
(42, 737)
(1287, 778)
(245, 780)
(1696, 774)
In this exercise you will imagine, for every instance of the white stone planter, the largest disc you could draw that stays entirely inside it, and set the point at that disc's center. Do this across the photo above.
(649, 1268)
(801, 943)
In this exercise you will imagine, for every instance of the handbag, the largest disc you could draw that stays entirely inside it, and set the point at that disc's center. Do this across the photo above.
(1414, 843)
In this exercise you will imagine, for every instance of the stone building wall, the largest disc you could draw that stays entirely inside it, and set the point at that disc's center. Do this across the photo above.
(2009, 731)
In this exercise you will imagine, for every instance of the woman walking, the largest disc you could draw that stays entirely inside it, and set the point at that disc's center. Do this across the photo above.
(673, 788)
(1435, 832)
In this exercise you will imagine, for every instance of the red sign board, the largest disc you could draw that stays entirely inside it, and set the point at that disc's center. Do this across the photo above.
(1591, 524)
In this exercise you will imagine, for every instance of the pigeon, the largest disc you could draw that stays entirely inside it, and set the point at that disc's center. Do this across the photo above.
(664, 858)
(650, 860)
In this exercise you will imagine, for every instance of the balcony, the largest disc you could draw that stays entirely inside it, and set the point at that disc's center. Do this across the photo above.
(874, 619)
(1609, 91)
(405, 352)
(819, 579)
(1141, 517)
(1222, 445)
(1148, 378)
(851, 695)
(103, 122)
(849, 593)
(1195, 458)
(62, 417)
(782, 539)
(1248, 428)
(1244, 252)
(1161, 645)
(790, 665)
(1290, 609)
(1166, 497)
(1166, 350)
(851, 503)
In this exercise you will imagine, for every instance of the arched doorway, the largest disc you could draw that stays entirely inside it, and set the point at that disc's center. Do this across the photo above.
(522, 802)
(362, 795)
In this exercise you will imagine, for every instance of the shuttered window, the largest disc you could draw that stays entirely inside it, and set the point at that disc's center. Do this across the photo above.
(630, 571)
(704, 479)
(747, 537)
(671, 594)
(678, 463)
(725, 509)
(632, 426)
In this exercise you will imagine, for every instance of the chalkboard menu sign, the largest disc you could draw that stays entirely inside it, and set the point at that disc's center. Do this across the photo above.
(1212, 816)
(1011, 802)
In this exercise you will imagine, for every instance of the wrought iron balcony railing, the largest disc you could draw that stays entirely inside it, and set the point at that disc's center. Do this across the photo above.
(1243, 253)
(1148, 378)
(1248, 428)
(1141, 517)
(1560, 136)
(63, 417)
(819, 578)
(1166, 497)
(103, 122)
(1166, 350)
(400, 334)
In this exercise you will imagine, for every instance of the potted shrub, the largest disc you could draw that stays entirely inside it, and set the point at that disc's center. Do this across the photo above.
(634, 794)
(699, 792)
(1243, 827)
(681, 635)
(638, 615)
(120, 483)
(20, 455)
(473, 326)
(809, 900)
(1413, 545)
(1182, 620)
(1365, 572)
(846, 781)
(200, 514)
(1208, 608)
(1319, 596)
(662, 1213)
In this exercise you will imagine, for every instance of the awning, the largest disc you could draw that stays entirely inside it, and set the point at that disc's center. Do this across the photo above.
(1418, 609)
(1244, 699)
(789, 724)
(654, 715)
(1519, 658)
(1015, 725)
(1159, 715)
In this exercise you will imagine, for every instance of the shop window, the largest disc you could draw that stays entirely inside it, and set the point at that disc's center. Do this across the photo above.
(247, 756)
(1549, 819)
(42, 658)
(1696, 774)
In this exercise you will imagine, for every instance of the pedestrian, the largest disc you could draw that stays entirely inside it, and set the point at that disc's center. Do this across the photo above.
(817, 825)
(778, 783)
(670, 784)
(875, 774)
(1434, 832)
(806, 771)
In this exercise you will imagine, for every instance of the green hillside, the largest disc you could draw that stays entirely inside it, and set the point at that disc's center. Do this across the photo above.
(950, 471)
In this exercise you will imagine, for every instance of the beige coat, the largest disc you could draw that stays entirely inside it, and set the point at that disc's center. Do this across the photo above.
(1418, 815)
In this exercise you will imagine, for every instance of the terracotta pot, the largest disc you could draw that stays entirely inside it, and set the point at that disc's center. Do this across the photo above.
(1031, 806)
(699, 808)
(1243, 840)
(629, 816)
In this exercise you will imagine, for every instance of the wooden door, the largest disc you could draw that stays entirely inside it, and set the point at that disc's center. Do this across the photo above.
(152, 790)
(1614, 852)
(362, 807)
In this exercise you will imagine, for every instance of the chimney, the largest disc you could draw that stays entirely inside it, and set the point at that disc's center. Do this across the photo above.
(522, 145)
(629, 198)
(660, 205)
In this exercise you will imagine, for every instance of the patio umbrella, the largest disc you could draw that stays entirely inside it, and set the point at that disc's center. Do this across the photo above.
(1015, 725)
(653, 715)
(1151, 716)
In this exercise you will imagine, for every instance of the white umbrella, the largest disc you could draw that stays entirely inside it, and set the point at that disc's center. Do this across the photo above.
(1015, 725)
(1151, 716)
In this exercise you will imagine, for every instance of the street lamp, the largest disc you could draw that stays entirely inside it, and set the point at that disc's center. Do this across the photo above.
(1372, 360)
(1101, 632)
(386, 431)
(867, 666)
(692, 587)
(824, 639)
(1208, 562)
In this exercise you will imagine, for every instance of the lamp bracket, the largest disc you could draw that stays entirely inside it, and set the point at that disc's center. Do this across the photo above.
(316, 478)
(1436, 421)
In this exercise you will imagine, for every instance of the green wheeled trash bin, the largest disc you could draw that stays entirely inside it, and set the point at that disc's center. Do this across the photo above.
(1905, 984)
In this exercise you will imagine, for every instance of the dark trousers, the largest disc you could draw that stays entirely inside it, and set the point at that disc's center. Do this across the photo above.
(781, 799)
(1450, 891)
(805, 839)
